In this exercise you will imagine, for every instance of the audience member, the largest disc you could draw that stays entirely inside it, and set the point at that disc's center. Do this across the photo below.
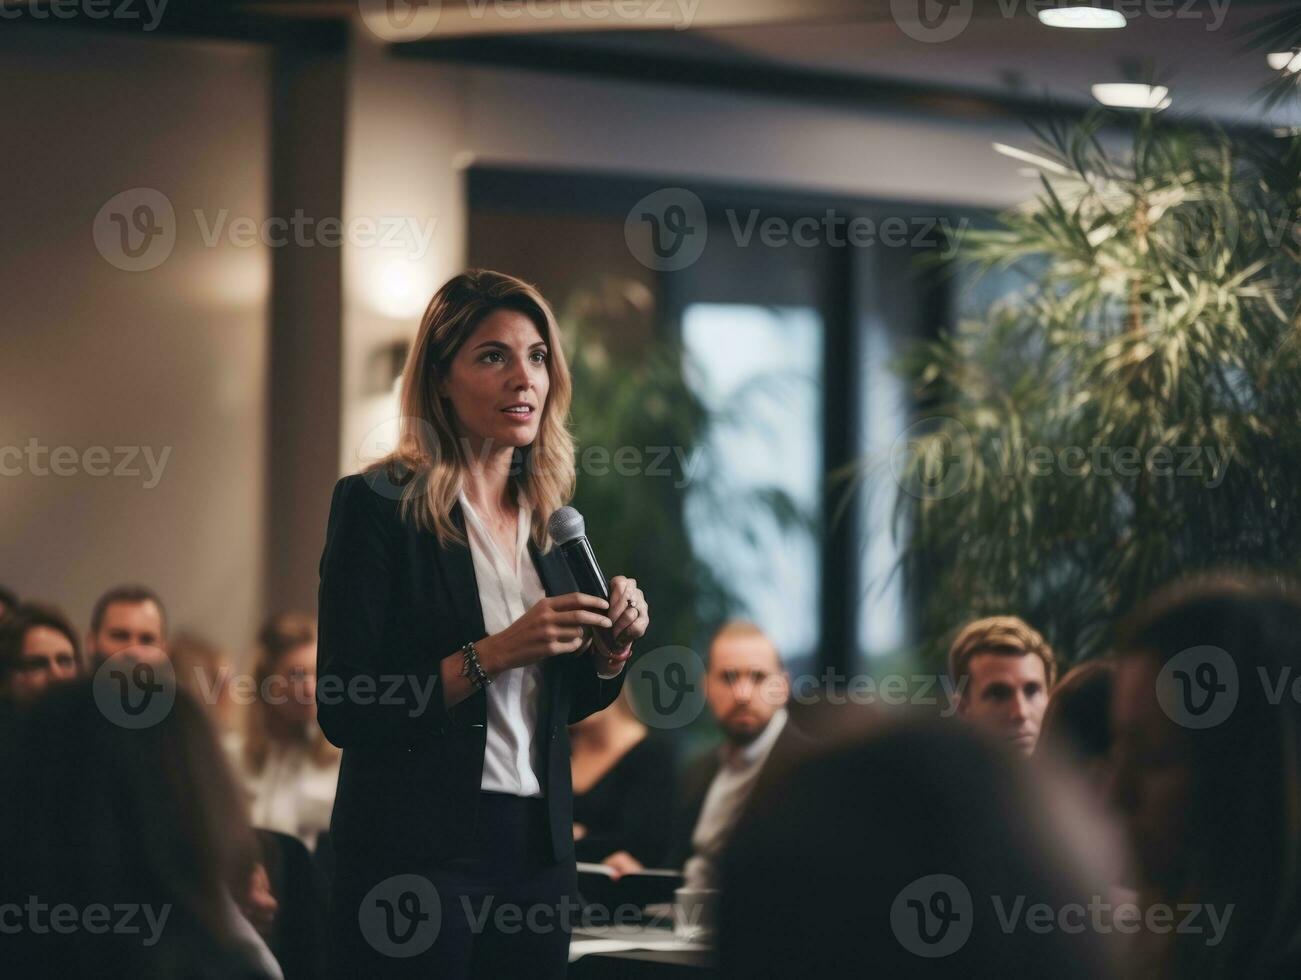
(624, 789)
(202, 669)
(920, 850)
(107, 815)
(1208, 776)
(290, 771)
(38, 647)
(747, 690)
(125, 616)
(1002, 670)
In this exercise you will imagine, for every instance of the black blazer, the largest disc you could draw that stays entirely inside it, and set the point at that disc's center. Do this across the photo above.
(393, 604)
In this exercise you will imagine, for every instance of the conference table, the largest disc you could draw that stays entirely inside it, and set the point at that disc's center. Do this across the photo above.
(637, 952)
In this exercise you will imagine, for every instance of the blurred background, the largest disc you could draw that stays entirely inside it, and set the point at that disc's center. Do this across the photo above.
(223, 221)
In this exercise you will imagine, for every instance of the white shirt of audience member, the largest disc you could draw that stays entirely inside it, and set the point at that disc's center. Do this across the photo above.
(723, 802)
(293, 794)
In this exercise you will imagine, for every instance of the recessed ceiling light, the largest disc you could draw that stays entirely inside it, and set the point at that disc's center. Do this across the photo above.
(1285, 61)
(1082, 18)
(1132, 95)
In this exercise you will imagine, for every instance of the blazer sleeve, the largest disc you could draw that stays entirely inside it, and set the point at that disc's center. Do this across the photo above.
(590, 692)
(362, 698)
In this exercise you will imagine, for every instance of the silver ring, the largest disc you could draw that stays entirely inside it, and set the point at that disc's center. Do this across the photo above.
(632, 603)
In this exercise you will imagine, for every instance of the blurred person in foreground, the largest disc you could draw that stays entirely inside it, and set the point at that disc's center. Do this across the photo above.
(747, 689)
(290, 771)
(624, 789)
(1208, 776)
(103, 820)
(1077, 723)
(920, 849)
(125, 617)
(1002, 670)
(38, 647)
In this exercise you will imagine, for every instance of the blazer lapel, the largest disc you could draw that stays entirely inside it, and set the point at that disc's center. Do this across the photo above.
(458, 575)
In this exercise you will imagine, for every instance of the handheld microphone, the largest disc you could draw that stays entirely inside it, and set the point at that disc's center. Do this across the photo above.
(569, 532)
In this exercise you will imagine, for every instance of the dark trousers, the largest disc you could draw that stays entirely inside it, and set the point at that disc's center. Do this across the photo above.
(503, 910)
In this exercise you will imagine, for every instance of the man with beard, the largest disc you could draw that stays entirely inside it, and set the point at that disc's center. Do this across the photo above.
(747, 690)
(126, 617)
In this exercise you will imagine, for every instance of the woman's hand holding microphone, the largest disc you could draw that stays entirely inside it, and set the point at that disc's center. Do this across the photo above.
(558, 625)
(553, 625)
(631, 618)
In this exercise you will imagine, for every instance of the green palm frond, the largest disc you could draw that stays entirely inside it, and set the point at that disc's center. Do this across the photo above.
(1134, 412)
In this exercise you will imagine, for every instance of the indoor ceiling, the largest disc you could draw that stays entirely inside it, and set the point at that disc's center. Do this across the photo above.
(960, 56)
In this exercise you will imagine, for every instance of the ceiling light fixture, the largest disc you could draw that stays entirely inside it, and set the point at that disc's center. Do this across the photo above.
(1083, 18)
(1132, 95)
(1288, 62)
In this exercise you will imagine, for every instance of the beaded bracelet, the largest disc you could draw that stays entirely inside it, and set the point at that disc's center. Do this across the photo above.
(471, 668)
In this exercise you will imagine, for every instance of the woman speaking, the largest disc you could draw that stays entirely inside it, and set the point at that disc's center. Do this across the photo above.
(449, 662)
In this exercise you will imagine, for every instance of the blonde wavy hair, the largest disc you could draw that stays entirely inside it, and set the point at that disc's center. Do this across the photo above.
(430, 456)
(1007, 635)
(280, 635)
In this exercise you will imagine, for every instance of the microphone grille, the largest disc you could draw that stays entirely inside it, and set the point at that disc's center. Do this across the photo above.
(566, 524)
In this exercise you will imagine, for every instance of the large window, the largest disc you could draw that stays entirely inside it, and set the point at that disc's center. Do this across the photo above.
(758, 369)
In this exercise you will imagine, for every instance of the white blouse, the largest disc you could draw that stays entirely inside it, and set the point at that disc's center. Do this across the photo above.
(508, 587)
(292, 793)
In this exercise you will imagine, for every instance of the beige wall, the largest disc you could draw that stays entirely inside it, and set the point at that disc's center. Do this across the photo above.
(172, 359)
